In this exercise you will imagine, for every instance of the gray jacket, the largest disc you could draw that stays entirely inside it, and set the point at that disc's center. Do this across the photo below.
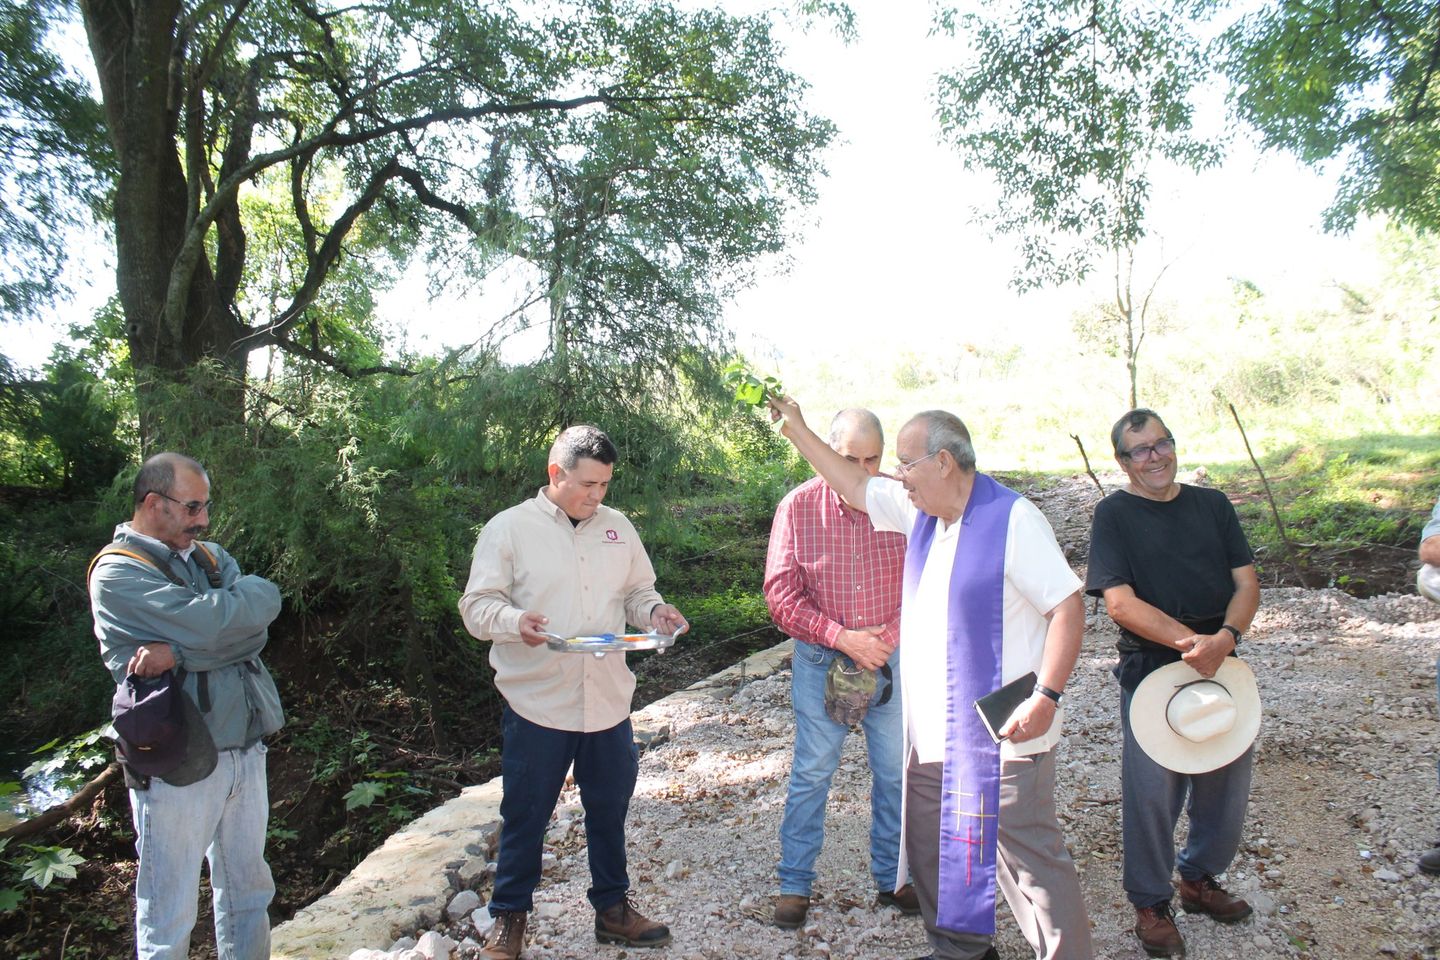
(217, 632)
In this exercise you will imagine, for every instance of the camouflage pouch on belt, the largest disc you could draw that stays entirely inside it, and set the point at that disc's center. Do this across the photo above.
(849, 690)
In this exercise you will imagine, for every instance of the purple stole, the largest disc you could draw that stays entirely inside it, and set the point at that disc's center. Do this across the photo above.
(970, 802)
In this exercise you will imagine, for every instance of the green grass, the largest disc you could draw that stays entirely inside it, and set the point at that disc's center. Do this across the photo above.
(1367, 489)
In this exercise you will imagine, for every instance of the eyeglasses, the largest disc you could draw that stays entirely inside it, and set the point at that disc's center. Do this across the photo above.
(1161, 448)
(904, 468)
(192, 507)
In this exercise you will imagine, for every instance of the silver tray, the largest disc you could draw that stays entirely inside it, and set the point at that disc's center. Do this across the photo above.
(603, 643)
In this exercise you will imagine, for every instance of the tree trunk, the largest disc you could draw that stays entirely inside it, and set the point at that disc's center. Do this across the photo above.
(140, 65)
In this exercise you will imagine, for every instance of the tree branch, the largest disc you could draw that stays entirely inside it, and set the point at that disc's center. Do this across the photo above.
(39, 824)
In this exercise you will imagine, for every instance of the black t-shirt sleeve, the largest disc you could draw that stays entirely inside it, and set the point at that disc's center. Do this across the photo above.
(1109, 564)
(1237, 548)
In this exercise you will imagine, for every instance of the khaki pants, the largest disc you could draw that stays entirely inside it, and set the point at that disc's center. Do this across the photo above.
(1034, 870)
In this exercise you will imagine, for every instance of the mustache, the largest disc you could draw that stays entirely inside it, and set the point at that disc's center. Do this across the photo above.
(196, 531)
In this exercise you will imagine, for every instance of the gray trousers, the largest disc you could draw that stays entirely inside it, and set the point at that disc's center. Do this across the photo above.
(1033, 868)
(1151, 800)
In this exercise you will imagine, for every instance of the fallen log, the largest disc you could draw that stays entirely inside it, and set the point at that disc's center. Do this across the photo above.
(38, 824)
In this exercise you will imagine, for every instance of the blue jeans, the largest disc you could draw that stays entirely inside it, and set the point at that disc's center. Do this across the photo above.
(1151, 798)
(533, 764)
(221, 819)
(818, 742)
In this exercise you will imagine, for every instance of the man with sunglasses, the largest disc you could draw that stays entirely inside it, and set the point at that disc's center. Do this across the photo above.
(163, 600)
(987, 599)
(832, 582)
(1179, 580)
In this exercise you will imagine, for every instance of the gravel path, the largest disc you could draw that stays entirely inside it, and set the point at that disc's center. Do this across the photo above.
(1344, 800)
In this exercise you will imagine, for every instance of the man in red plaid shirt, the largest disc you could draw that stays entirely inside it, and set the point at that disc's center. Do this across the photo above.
(833, 584)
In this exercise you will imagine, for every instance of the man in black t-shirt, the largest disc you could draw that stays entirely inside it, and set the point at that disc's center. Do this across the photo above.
(1179, 579)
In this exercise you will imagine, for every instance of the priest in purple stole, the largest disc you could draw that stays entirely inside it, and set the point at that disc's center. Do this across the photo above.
(988, 598)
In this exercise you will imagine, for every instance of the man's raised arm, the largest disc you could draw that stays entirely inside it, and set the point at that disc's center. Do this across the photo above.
(844, 476)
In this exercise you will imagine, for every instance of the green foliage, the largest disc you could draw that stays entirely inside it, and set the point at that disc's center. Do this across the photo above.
(1356, 491)
(1356, 81)
(72, 763)
(1068, 106)
(40, 865)
(728, 613)
(749, 388)
(68, 429)
(45, 543)
(364, 793)
(55, 160)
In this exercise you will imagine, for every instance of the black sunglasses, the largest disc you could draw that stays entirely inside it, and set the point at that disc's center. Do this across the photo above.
(192, 507)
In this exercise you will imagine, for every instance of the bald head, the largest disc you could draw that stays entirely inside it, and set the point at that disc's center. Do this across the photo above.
(157, 475)
(857, 436)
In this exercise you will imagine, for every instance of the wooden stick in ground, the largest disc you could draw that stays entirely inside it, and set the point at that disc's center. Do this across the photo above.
(1269, 495)
(39, 824)
(1086, 458)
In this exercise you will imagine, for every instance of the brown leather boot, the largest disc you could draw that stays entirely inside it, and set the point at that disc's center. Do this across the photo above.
(790, 910)
(1207, 896)
(623, 924)
(1155, 926)
(906, 900)
(507, 937)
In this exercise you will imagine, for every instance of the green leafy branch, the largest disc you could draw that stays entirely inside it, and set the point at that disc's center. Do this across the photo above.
(748, 387)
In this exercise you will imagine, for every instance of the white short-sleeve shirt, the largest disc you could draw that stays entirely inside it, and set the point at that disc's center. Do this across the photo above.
(1037, 579)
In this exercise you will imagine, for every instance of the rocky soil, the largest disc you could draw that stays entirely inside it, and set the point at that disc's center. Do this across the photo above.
(1344, 800)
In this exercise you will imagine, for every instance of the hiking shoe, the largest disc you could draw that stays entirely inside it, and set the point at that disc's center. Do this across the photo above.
(1155, 926)
(1430, 861)
(621, 923)
(1207, 896)
(507, 937)
(790, 910)
(905, 900)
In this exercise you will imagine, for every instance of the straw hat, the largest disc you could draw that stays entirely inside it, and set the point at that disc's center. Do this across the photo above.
(1191, 724)
(1427, 581)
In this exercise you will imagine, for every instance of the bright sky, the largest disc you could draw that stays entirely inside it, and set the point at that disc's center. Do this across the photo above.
(890, 249)
(895, 254)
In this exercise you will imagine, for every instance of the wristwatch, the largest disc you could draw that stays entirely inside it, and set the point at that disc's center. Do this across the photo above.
(1043, 690)
(1233, 632)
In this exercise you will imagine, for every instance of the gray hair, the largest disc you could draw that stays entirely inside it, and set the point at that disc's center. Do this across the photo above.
(157, 475)
(1133, 420)
(855, 418)
(945, 431)
(582, 442)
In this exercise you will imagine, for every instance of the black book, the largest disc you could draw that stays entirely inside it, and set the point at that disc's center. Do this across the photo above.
(995, 708)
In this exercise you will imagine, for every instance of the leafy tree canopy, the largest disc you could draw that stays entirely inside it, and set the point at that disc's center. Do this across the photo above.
(1070, 104)
(1067, 105)
(1354, 81)
(279, 160)
(54, 160)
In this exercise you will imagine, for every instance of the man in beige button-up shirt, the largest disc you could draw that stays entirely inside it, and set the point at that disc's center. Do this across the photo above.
(563, 563)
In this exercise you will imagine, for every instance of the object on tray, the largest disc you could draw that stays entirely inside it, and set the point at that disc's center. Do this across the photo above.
(603, 643)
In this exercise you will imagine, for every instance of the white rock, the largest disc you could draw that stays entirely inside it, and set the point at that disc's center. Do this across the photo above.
(462, 903)
(1388, 876)
(482, 920)
(434, 945)
(404, 943)
(549, 911)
